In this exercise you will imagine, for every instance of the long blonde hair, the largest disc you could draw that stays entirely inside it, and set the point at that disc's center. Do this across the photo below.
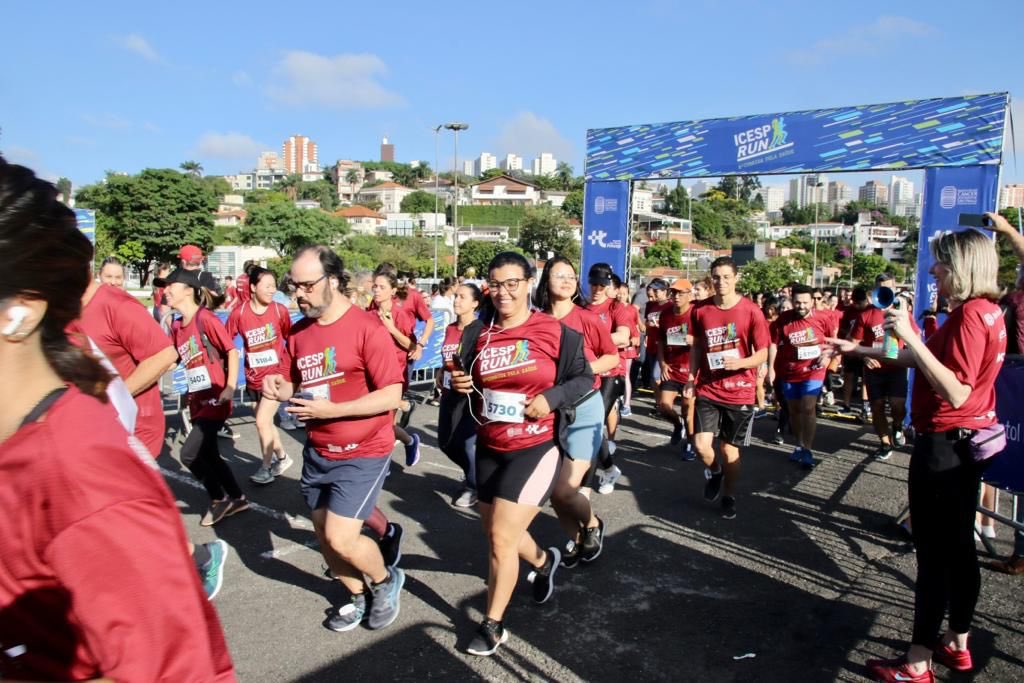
(973, 264)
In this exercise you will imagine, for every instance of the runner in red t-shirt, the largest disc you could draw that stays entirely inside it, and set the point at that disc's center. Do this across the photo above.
(730, 342)
(657, 301)
(885, 382)
(631, 352)
(344, 383)
(676, 329)
(243, 285)
(615, 318)
(513, 378)
(797, 360)
(230, 294)
(853, 366)
(264, 326)
(417, 303)
(557, 295)
(140, 351)
(400, 322)
(211, 366)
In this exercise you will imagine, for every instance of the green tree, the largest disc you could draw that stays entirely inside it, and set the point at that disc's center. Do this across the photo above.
(284, 228)
(420, 202)
(161, 209)
(573, 205)
(257, 197)
(866, 267)
(748, 186)
(192, 168)
(320, 190)
(677, 202)
(289, 185)
(665, 252)
(708, 228)
(545, 229)
(768, 275)
(563, 174)
(729, 186)
(491, 173)
(477, 254)
(217, 185)
(64, 188)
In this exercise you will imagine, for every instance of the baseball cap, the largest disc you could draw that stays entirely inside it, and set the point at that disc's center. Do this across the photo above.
(657, 283)
(600, 274)
(682, 285)
(186, 277)
(190, 253)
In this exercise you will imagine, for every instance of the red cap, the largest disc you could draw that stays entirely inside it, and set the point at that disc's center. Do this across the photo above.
(190, 253)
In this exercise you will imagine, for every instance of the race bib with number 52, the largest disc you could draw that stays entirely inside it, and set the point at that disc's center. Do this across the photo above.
(504, 406)
(716, 360)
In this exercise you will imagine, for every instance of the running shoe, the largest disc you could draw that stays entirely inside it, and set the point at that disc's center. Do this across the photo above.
(281, 465)
(778, 440)
(212, 571)
(226, 432)
(571, 554)
(625, 412)
(544, 578)
(391, 545)
(677, 435)
(349, 615)
(957, 660)
(385, 605)
(897, 671)
(488, 638)
(807, 459)
(830, 398)
(236, 505)
(796, 455)
(898, 438)
(607, 479)
(593, 542)
(290, 424)
(688, 454)
(612, 447)
(713, 486)
(465, 499)
(760, 413)
(884, 452)
(412, 451)
(728, 507)
(218, 511)
(262, 476)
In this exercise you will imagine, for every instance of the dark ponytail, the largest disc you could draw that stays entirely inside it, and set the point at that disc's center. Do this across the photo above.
(47, 258)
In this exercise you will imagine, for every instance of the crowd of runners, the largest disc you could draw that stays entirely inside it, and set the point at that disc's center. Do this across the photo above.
(537, 370)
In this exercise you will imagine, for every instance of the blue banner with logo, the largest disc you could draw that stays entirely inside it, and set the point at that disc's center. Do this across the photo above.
(431, 357)
(1007, 470)
(87, 223)
(605, 227)
(948, 131)
(949, 192)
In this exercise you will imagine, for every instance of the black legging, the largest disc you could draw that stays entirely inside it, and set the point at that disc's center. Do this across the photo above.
(783, 404)
(943, 490)
(201, 454)
(612, 388)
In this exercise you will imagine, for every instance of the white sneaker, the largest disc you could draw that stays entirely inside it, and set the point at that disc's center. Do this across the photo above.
(280, 465)
(607, 479)
(988, 531)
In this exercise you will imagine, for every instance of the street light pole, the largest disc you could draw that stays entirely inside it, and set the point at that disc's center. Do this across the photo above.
(437, 170)
(814, 262)
(455, 127)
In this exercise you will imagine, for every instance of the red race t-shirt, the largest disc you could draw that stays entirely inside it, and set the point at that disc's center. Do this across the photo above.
(518, 363)
(652, 312)
(847, 319)
(206, 376)
(676, 330)
(868, 329)
(971, 343)
(242, 288)
(416, 303)
(449, 349)
(633, 314)
(69, 522)
(612, 315)
(737, 332)
(405, 322)
(597, 340)
(799, 341)
(127, 334)
(341, 362)
(264, 339)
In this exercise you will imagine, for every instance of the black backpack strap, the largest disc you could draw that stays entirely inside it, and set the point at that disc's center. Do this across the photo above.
(40, 408)
(212, 350)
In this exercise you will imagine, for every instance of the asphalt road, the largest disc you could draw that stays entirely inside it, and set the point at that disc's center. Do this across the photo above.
(810, 580)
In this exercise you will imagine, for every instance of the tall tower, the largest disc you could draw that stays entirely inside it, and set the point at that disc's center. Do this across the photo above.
(298, 152)
(387, 150)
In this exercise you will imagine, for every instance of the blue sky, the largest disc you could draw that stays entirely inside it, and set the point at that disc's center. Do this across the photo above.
(125, 86)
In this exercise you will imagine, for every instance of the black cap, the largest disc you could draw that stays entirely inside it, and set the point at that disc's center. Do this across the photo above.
(600, 274)
(657, 283)
(186, 277)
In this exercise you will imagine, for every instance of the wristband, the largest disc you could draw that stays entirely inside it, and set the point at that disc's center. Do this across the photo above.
(420, 344)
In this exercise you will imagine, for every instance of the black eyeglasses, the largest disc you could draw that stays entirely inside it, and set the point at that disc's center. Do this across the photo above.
(510, 285)
(817, 298)
(305, 286)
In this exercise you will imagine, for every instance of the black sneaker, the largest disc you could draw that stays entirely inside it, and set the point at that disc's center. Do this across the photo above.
(488, 638)
(777, 439)
(728, 507)
(544, 578)
(883, 453)
(571, 555)
(713, 486)
(593, 541)
(677, 435)
(391, 545)
(349, 615)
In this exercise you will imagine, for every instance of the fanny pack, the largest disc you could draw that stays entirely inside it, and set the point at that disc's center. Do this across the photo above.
(985, 443)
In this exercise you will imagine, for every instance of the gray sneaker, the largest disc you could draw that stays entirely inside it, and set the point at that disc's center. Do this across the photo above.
(386, 597)
(898, 439)
(263, 476)
(281, 465)
(218, 511)
(465, 499)
(349, 615)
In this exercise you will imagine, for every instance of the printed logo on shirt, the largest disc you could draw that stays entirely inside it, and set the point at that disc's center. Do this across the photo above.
(878, 331)
(804, 336)
(501, 358)
(189, 350)
(342, 449)
(717, 336)
(449, 350)
(319, 366)
(260, 335)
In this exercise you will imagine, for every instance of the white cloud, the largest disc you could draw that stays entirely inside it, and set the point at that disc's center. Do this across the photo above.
(241, 79)
(107, 120)
(232, 146)
(528, 135)
(346, 81)
(884, 33)
(151, 127)
(133, 42)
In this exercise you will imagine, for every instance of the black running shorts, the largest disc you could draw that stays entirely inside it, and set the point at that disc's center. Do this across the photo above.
(526, 476)
(731, 423)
